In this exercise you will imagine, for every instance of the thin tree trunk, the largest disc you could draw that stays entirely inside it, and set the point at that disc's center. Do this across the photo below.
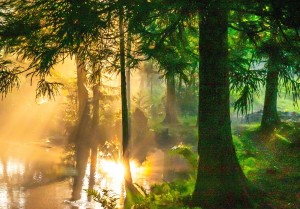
(93, 168)
(171, 115)
(220, 182)
(95, 135)
(125, 125)
(82, 91)
(95, 118)
(128, 92)
(82, 130)
(270, 119)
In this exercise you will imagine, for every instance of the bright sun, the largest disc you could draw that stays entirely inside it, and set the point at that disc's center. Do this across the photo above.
(115, 170)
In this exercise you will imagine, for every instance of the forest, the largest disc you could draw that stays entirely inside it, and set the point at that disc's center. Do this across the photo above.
(149, 104)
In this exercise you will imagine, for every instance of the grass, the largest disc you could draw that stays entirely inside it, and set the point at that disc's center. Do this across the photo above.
(271, 163)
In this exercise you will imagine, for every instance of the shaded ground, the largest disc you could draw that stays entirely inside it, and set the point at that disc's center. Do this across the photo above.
(272, 163)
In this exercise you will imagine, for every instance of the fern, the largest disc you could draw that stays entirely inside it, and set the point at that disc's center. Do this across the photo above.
(106, 198)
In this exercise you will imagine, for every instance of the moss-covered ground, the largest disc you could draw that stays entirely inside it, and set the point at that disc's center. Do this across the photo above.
(271, 163)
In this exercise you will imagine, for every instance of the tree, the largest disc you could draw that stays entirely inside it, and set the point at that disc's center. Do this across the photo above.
(95, 132)
(171, 113)
(125, 119)
(270, 118)
(265, 33)
(220, 181)
(174, 54)
(281, 65)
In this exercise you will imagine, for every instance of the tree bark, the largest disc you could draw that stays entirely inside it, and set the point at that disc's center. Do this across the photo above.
(220, 182)
(171, 114)
(125, 125)
(270, 119)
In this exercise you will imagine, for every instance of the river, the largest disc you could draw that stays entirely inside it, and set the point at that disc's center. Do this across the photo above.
(33, 176)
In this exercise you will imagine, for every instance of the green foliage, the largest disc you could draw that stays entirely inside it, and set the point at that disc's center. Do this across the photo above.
(261, 42)
(170, 38)
(291, 83)
(246, 150)
(187, 153)
(47, 31)
(105, 197)
(173, 195)
(247, 83)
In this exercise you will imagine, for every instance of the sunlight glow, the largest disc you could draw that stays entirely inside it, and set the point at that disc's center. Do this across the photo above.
(115, 170)
(4, 196)
(42, 101)
(15, 167)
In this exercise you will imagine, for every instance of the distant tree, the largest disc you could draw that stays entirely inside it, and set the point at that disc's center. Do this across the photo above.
(273, 45)
(281, 49)
(173, 48)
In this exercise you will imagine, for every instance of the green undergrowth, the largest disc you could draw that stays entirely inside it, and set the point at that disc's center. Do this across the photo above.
(168, 195)
(271, 163)
(175, 194)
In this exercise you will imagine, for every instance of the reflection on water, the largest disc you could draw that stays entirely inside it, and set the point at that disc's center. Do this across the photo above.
(110, 174)
(33, 177)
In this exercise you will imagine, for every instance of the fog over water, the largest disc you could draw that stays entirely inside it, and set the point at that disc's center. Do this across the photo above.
(37, 160)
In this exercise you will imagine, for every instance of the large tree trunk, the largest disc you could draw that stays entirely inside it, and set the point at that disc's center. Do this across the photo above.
(270, 119)
(171, 115)
(82, 130)
(220, 182)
